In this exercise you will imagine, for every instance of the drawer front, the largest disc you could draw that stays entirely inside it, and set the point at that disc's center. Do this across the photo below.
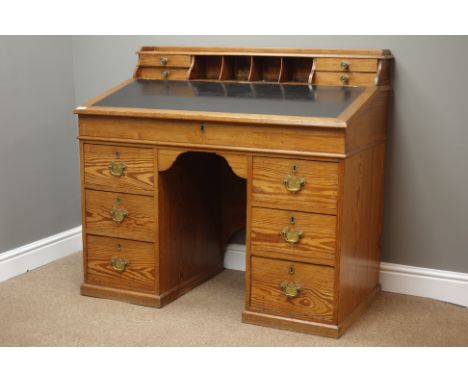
(119, 263)
(346, 65)
(170, 60)
(340, 78)
(310, 289)
(277, 183)
(163, 73)
(123, 169)
(120, 215)
(293, 235)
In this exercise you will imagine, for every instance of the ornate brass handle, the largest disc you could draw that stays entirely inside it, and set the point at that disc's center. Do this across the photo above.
(293, 183)
(163, 60)
(290, 289)
(291, 236)
(344, 78)
(165, 74)
(117, 168)
(344, 66)
(119, 263)
(118, 215)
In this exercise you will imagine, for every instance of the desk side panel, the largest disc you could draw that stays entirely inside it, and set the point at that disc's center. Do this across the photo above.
(361, 226)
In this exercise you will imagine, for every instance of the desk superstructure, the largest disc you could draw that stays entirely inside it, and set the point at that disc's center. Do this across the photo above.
(202, 142)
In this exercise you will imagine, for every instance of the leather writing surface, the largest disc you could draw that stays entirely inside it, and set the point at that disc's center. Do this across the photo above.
(229, 97)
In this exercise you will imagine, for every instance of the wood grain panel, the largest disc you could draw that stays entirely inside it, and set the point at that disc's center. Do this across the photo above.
(319, 194)
(138, 276)
(137, 177)
(173, 60)
(334, 78)
(361, 227)
(235, 136)
(317, 244)
(354, 64)
(139, 225)
(315, 300)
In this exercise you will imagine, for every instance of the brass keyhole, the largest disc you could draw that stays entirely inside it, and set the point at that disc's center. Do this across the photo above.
(292, 220)
(202, 128)
(291, 270)
(118, 200)
(119, 247)
(294, 168)
(117, 154)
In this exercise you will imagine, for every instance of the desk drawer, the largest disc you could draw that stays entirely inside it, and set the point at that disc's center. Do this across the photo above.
(344, 78)
(170, 60)
(272, 279)
(163, 73)
(115, 168)
(346, 64)
(293, 235)
(119, 263)
(272, 177)
(120, 215)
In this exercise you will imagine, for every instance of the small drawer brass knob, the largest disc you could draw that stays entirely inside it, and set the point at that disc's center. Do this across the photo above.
(119, 264)
(118, 215)
(117, 168)
(291, 236)
(290, 289)
(165, 74)
(344, 78)
(344, 66)
(293, 183)
(163, 60)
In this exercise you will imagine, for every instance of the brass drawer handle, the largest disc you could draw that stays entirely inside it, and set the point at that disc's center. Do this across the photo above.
(119, 263)
(344, 66)
(165, 74)
(291, 235)
(163, 60)
(344, 78)
(290, 289)
(118, 215)
(293, 183)
(117, 168)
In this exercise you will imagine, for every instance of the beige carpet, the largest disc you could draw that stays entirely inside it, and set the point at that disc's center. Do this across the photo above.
(44, 308)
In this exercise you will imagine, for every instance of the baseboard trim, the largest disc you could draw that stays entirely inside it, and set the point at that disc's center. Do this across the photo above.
(30, 256)
(423, 282)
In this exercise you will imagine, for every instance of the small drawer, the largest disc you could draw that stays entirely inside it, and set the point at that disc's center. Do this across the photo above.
(169, 60)
(292, 289)
(115, 168)
(346, 65)
(163, 73)
(344, 79)
(120, 215)
(122, 264)
(299, 185)
(293, 235)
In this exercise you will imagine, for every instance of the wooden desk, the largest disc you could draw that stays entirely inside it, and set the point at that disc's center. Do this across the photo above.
(201, 142)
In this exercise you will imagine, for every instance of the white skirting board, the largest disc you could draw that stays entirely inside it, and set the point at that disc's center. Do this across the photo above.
(432, 283)
(41, 252)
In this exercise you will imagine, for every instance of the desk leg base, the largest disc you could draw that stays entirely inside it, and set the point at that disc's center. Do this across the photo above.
(138, 298)
(293, 324)
(148, 299)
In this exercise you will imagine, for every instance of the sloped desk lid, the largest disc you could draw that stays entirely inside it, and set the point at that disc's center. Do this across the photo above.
(294, 100)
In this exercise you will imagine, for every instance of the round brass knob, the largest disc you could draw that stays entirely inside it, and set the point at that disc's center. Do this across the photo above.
(344, 66)
(165, 74)
(163, 60)
(344, 79)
